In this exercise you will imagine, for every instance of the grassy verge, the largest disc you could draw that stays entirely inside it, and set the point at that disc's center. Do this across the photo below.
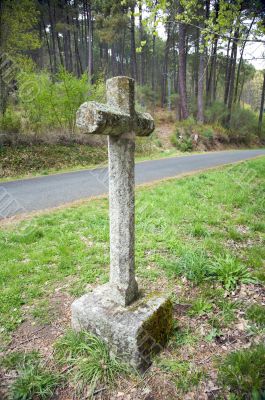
(26, 162)
(201, 238)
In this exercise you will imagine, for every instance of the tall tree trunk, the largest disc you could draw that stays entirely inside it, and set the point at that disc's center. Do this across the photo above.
(141, 31)
(212, 70)
(153, 61)
(51, 10)
(3, 88)
(67, 41)
(242, 86)
(227, 71)
(133, 47)
(175, 63)
(47, 41)
(200, 105)
(153, 53)
(88, 10)
(112, 61)
(241, 59)
(123, 51)
(232, 75)
(60, 49)
(75, 23)
(165, 75)
(40, 57)
(196, 63)
(216, 78)
(261, 111)
(85, 34)
(90, 42)
(182, 68)
(200, 102)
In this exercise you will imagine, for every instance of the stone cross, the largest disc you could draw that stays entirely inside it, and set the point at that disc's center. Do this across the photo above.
(134, 327)
(119, 120)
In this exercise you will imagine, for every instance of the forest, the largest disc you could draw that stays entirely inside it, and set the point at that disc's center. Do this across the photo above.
(190, 60)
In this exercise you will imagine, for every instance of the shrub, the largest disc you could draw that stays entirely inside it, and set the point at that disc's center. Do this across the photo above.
(185, 144)
(10, 122)
(216, 112)
(208, 134)
(243, 125)
(53, 104)
(182, 140)
(243, 372)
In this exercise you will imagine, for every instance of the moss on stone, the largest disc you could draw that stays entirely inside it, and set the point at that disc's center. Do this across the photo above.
(155, 331)
(160, 324)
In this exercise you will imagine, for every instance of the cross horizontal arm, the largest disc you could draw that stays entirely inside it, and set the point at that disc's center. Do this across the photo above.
(103, 119)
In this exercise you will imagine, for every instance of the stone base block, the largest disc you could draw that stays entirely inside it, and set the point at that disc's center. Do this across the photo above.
(134, 333)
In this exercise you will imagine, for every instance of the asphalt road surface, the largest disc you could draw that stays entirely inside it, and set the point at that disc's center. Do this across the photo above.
(50, 191)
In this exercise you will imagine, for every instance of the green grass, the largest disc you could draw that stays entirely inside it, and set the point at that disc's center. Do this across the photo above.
(256, 314)
(72, 245)
(84, 359)
(182, 337)
(33, 379)
(197, 266)
(200, 307)
(184, 230)
(34, 382)
(185, 374)
(89, 360)
(19, 359)
(243, 372)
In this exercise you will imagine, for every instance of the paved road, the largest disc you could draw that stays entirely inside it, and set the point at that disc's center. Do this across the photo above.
(54, 190)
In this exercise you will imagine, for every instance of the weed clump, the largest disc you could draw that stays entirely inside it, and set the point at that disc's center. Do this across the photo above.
(89, 359)
(244, 373)
(197, 267)
(230, 272)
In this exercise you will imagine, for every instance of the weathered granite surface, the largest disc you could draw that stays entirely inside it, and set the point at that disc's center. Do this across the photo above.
(118, 115)
(121, 209)
(134, 333)
(104, 119)
(134, 328)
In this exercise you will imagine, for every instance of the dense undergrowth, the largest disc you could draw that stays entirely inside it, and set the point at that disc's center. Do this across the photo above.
(242, 131)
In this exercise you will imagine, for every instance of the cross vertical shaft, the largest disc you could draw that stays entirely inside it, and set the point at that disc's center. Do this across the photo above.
(133, 333)
(120, 95)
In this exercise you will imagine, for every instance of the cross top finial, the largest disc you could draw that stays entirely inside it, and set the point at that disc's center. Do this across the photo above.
(120, 93)
(118, 116)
